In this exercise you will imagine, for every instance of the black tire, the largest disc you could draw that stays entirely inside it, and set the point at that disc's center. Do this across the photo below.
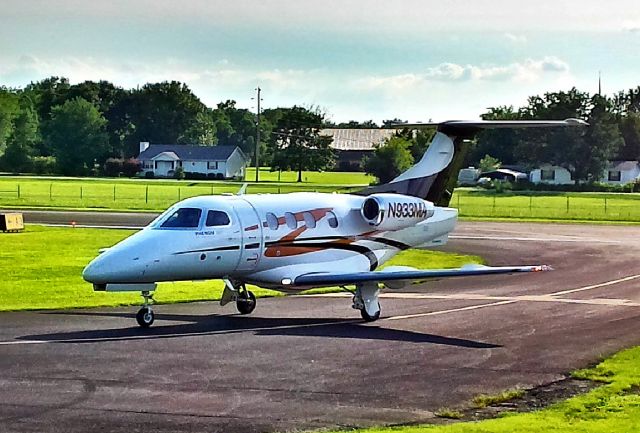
(246, 302)
(369, 318)
(145, 317)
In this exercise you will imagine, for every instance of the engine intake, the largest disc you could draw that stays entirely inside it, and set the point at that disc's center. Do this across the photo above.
(395, 211)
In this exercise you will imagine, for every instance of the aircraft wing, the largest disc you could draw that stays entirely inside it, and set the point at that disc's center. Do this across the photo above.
(391, 274)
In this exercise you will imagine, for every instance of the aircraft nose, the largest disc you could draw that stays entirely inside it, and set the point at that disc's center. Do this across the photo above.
(114, 268)
(91, 273)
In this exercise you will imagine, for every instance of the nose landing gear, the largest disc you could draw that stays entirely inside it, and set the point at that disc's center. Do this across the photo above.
(237, 292)
(145, 316)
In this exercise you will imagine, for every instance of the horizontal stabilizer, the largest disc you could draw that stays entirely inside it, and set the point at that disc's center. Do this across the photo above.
(452, 125)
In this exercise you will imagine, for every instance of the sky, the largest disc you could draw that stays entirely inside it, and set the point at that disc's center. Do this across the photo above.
(416, 60)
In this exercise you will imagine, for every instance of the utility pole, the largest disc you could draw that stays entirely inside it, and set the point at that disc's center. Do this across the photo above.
(257, 155)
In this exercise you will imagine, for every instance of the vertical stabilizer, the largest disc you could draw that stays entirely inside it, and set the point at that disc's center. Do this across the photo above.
(435, 176)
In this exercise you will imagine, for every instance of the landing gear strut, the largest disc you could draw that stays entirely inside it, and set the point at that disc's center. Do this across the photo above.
(365, 299)
(145, 316)
(237, 292)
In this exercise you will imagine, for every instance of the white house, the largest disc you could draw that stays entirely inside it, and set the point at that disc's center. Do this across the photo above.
(215, 162)
(551, 174)
(621, 172)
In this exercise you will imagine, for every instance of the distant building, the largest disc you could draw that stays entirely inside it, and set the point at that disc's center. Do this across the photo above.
(468, 176)
(621, 172)
(551, 174)
(215, 162)
(505, 174)
(351, 145)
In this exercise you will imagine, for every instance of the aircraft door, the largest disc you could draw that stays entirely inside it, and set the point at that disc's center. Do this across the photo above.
(252, 241)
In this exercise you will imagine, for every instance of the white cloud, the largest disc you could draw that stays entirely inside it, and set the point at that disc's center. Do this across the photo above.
(529, 70)
(516, 39)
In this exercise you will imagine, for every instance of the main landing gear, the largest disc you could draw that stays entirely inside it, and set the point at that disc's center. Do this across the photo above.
(237, 292)
(365, 299)
(145, 316)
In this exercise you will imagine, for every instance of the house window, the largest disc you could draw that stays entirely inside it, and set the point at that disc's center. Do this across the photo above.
(309, 220)
(290, 219)
(212, 165)
(614, 175)
(548, 174)
(332, 220)
(272, 221)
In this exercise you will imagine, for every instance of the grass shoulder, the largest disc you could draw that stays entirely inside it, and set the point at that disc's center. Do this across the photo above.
(612, 405)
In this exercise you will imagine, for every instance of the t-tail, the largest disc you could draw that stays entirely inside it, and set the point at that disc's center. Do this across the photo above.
(434, 177)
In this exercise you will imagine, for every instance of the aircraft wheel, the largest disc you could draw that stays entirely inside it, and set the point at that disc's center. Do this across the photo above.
(145, 317)
(246, 302)
(369, 318)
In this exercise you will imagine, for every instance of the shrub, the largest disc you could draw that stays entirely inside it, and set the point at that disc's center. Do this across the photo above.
(44, 164)
(219, 176)
(112, 167)
(195, 176)
(131, 167)
(179, 173)
(149, 175)
(211, 176)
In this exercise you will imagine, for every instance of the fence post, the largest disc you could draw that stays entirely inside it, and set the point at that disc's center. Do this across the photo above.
(18, 190)
(211, 189)
(494, 202)
(146, 195)
(178, 193)
(530, 204)
(567, 204)
(51, 191)
(114, 193)
(80, 192)
(605, 205)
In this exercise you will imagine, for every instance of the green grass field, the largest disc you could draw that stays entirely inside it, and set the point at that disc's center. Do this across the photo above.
(611, 408)
(475, 203)
(41, 269)
(142, 194)
(156, 195)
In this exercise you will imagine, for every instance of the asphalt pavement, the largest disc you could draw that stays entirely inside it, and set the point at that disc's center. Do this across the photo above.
(301, 363)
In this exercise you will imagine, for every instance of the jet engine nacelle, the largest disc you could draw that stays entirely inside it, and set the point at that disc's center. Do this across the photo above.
(395, 211)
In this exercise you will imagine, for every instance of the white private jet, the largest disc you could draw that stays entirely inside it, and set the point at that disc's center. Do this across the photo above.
(298, 241)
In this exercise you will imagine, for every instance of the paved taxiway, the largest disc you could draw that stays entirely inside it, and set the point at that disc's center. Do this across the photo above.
(308, 362)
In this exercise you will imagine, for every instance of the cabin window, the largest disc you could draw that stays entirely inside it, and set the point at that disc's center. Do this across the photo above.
(185, 217)
(548, 174)
(272, 221)
(309, 220)
(614, 175)
(217, 218)
(290, 219)
(332, 220)
(212, 165)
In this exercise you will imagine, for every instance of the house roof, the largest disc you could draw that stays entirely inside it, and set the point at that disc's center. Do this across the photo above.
(357, 139)
(167, 155)
(190, 152)
(623, 165)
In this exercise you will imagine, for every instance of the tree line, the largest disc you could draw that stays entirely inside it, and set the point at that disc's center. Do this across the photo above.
(52, 126)
(613, 134)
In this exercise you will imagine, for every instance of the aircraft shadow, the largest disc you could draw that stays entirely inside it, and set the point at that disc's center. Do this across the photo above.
(225, 325)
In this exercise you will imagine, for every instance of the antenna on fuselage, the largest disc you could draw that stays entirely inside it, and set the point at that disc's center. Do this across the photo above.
(243, 189)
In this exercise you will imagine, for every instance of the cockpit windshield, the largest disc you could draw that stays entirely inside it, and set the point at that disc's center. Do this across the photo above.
(183, 218)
